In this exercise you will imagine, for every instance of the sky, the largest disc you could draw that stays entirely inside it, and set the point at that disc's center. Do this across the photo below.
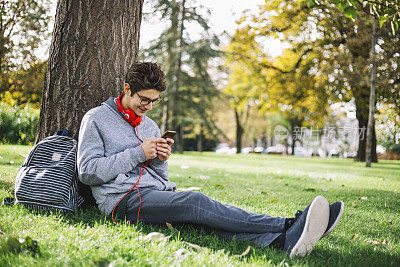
(224, 13)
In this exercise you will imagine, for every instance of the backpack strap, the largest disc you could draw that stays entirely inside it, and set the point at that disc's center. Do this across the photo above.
(64, 132)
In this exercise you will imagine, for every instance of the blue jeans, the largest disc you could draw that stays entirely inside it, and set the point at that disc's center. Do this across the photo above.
(159, 207)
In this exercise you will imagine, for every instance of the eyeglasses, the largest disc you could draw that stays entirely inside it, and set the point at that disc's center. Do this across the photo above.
(144, 101)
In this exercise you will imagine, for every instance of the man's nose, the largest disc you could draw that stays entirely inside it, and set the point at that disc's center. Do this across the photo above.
(149, 106)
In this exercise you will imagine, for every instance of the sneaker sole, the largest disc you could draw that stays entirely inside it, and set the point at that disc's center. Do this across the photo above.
(337, 219)
(315, 226)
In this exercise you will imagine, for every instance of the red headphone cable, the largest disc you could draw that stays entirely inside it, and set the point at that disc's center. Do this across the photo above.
(136, 184)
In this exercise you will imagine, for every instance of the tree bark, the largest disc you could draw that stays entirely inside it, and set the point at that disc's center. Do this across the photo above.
(200, 140)
(176, 123)
(361, 97)
(371, 99)
(164, 119)
(93, 45)
(239, 132)
(292, 125)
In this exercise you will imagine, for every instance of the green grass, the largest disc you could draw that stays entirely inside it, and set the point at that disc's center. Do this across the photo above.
(269, 184)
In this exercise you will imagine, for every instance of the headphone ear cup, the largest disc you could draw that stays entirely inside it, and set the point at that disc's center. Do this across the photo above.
(129, 115)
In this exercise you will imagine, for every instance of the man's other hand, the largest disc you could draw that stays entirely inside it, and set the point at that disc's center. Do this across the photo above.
(164, 148)
(149, 147)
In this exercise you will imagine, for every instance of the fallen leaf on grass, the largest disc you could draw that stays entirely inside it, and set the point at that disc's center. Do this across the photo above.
(272, 200)
(249, 189)
(193, 188)
(181, 252)
(219, 252)
(171, 227)
(263, 193)
(363, 198)
(354, 237)
(244, 253)
(219, 186)
(204, 184)
(353, 204)
(197, 247)
(155, 236)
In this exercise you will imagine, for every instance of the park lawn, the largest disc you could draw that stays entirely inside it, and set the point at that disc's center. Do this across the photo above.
(367, 235)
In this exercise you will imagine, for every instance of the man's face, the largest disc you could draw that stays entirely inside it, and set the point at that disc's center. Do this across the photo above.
(136, 101)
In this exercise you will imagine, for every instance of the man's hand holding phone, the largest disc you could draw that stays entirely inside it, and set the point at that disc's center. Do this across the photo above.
(149, 147)
(158, 147)
(164, 147)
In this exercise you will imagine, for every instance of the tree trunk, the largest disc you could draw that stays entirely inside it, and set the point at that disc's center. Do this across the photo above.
(239, 132)
(361, 97)
(200, 141)
(371, 99)
(264, 142)
(93, 45)
(164, 119)
(181, 132)
(292, 125)
(178, 124)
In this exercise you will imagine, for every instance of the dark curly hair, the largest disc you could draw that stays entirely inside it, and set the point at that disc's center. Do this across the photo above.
(145, 75)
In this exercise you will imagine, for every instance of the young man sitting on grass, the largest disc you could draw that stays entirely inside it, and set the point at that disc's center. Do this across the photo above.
(118, 144)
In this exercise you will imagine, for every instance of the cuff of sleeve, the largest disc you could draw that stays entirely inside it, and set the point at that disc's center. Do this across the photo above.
(157, 162)
(138, 155)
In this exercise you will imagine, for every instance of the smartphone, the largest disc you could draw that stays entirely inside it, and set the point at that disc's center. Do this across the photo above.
(168, 134)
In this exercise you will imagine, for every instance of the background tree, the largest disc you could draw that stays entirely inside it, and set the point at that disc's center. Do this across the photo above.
(283, 84)
(245, 79)
(186, 60)
(384, 10)
(93, 45)
(23, 27)
(339, 49)
(25, 85)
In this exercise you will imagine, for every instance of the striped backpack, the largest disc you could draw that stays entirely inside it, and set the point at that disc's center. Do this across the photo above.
(48, 177)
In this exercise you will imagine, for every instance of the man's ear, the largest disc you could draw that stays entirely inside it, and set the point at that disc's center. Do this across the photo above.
(127, 89)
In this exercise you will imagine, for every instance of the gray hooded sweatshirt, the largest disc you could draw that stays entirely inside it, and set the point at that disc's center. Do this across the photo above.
(109, 156)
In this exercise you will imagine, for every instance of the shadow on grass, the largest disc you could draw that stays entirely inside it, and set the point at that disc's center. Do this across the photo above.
(340, 251)
(7, 185)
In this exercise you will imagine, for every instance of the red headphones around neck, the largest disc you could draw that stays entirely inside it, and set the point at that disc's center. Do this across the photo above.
(128, 114)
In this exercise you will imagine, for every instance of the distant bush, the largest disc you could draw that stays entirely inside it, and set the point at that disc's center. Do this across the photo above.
(18, 125)
(391, 146)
